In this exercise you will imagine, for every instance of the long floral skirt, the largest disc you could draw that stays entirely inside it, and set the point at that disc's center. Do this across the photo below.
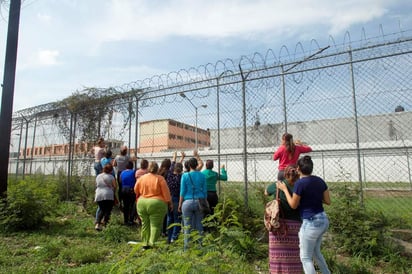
(284, 249)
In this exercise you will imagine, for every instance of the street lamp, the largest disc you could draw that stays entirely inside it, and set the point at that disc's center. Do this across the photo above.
(196, 108)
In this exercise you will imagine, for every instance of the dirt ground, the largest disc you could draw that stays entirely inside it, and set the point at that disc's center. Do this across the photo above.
(379, 192)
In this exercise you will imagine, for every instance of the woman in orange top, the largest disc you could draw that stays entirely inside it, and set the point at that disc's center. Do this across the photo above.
(153, 200)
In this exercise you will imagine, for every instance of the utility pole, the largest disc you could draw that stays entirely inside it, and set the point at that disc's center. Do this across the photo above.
(8, 92)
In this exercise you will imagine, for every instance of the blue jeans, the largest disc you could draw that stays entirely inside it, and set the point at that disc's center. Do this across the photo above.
(192, 219)
(310, 239)
(173, 217)
(97, 168)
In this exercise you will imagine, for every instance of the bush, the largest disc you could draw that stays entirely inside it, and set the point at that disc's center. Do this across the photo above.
(27, 205)
(356, 231)
(69, 191)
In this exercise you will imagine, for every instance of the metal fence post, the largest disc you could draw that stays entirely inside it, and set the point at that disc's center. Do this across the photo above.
(285, 119)
(244, 134)
(355, 115)
(32, 145)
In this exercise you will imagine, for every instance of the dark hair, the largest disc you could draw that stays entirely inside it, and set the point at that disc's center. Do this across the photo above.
(192, 163)
(109, 154)
(178, 168)
(209, 164)
(129, 165)
(305, 165)
(144, 164)
(100, 140)
(187, 167)
(164, 167)
(291, 174)
(289, 144)
(108, 168)
(123, 150)
(153, 167)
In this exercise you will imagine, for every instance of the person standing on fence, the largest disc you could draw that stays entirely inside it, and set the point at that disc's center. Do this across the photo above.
(128, 180)
(192, 187)
(120, 163)
(211, 180)
(284, 246)
(288, 153)
(309, 194)
(104, 196)
(98, 151)
(173, 179)
(153, 200)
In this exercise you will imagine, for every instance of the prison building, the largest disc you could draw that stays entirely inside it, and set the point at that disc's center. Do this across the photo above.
(167, 134)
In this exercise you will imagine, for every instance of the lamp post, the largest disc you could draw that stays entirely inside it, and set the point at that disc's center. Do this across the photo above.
(196, 109)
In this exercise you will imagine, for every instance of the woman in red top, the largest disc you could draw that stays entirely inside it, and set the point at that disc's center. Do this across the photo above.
(288, 153)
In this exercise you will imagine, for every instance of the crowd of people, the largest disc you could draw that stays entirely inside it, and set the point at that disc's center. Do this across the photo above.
(164, 200)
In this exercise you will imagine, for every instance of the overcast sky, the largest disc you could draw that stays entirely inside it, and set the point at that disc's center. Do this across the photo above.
(66, 45)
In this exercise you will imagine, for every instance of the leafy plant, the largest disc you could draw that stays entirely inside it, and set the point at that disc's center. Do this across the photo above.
(354, 230)
(28, 204)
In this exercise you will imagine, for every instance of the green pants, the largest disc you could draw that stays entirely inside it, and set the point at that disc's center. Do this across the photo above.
(152, 213)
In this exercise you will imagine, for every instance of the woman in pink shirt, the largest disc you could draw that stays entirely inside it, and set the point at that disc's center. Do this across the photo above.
(288, 153)
(144, 164)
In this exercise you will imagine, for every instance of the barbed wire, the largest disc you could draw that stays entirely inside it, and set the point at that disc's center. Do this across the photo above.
(225, 74)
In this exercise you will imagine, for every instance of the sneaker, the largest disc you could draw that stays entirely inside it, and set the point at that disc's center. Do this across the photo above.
(98, 227)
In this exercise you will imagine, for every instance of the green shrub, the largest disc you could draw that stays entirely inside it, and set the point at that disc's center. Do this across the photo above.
(356, 231)
(28, 204)
(69, 190)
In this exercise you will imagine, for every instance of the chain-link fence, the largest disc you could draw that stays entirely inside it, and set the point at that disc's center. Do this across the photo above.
(351, 103)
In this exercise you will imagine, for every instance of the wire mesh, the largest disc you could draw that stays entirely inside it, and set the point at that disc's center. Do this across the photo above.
(350, 103)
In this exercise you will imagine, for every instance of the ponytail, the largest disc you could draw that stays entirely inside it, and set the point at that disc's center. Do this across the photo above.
(289, 144)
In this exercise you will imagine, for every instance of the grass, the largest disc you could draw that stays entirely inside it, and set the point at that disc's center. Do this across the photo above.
(70, 244)
(398, 209)
(67, 243)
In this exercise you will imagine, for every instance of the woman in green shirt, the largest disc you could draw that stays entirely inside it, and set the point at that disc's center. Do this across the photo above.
(211, 179)
(284, 245)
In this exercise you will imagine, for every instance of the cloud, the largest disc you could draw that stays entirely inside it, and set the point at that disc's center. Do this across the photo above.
(44, 17)
(67, 44)
(41, 58)
(215, 19)
(47, 57)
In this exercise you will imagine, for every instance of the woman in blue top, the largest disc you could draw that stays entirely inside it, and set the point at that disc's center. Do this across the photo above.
(192, 187)
(309, 193)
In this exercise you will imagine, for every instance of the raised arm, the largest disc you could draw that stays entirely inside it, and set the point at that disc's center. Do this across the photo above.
(199, 160)
(223, 173)
(174, 156)
(182, 156)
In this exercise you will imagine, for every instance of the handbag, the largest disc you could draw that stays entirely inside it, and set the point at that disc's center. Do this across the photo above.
(203, 203)
(204, 206)
(272, 214)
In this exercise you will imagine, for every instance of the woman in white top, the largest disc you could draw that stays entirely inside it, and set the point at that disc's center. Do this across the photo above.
(104, 196)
